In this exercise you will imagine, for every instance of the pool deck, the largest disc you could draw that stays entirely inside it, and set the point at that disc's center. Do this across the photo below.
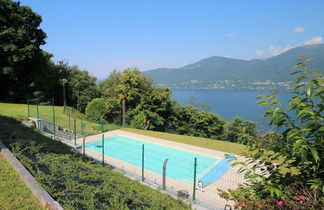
(229, 180)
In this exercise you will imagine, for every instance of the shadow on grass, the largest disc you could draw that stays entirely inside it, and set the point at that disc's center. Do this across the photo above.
(13, 132)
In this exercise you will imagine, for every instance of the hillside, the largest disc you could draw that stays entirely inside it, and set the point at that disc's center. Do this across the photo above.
(227, 73)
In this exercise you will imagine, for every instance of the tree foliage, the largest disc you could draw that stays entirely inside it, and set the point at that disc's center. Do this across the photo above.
(21, 59)
(98, 109)
(153, 110)
(188, 120)
(296, 161)
(240, 130)
(82, 88)
(133, 84)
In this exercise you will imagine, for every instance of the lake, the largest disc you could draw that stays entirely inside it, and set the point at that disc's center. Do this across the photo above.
(229, 103)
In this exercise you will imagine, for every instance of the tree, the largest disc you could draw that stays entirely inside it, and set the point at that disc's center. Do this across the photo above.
(188, 120)
(20, 54)
(292, 171)
(128, 87)
(133, 84)
(107, 87)
(202, 106)
(82, 88)
(153, 110)
(240, 130)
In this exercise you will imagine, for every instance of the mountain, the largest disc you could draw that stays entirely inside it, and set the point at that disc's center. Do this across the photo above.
(227, 73)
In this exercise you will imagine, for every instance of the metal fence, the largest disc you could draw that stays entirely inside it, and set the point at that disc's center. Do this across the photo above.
(192, 180)
(68, 125)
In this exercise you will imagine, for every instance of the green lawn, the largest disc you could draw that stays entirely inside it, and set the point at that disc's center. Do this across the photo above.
(223, 146)
(20, 111)
(14, 194)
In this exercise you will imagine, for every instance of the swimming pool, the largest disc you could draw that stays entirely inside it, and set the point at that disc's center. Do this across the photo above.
(180, 164)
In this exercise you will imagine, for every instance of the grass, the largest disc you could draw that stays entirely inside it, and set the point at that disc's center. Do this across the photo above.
(14, 194)
(20, 111)
(77, 182)
(223, 146)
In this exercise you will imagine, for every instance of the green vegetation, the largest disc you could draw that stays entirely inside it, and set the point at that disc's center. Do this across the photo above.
(228, 73)
(74, 181)
(28, 71)
(299, 145)
(98, 109)
(240, 130)
(223, 146)
(20, 111)
(14, 194)
(151, 108)
(127, 97)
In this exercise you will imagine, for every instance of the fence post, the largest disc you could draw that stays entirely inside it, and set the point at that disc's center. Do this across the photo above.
(81, 126)
(142, 162)
(164, 174)
(28, 107)
(84, 145)
(194, 182)
(54, 117)
(37, 113)
(103, 150)
(75, 132)
(124, 110)
(101, 126)
(69, 121)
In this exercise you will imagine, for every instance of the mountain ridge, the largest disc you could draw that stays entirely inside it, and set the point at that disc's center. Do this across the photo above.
(218, 72)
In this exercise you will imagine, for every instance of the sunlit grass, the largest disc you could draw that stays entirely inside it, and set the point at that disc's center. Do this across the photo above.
(20, 111)
(14, 194)
(223, 146)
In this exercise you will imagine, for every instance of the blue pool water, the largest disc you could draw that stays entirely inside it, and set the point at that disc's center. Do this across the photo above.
(180, 165)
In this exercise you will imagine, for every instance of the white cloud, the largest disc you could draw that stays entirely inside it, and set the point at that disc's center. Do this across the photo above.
(230, 34)
(278, 50)
(299, 29)
(259, 53)
(314, 40)
(227, 56)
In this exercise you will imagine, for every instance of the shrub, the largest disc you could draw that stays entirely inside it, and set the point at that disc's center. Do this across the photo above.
(188, 120)
(294, 169)
(98, 109)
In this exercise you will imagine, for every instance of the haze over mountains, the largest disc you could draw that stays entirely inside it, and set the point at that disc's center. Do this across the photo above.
(228, 73)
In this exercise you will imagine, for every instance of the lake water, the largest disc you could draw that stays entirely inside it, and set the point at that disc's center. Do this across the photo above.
(229, 103)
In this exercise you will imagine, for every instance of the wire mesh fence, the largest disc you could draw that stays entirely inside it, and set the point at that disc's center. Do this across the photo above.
(69, 123)
(192, 177)
(187, 175)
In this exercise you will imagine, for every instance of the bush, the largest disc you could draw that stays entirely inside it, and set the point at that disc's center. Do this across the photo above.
(188, 120)
(292, 172)
(98, 109)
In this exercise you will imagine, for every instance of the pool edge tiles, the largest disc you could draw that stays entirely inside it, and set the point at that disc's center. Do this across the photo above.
(180, 165)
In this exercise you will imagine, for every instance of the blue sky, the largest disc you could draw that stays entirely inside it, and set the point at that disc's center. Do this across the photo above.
(103, 35)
